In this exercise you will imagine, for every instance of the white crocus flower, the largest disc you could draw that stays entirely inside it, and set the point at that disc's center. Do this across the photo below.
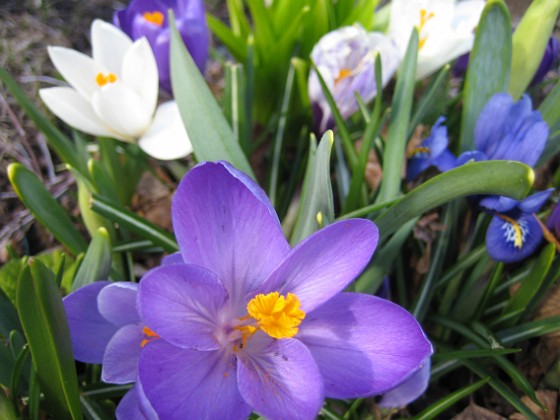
(346, 58)
(446, 29)
(114, 94)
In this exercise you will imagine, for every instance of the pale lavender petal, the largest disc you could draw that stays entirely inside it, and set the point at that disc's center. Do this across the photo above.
(117, 303)
(172, 259)
(181, 303)
(280, 379)
(224, 222)
(325, 263)
(89, 331)
(120, 362)
(409, 390)
(135, 405)
(363, 345)
(202, 384)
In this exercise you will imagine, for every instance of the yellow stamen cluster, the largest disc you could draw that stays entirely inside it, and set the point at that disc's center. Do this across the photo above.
(424, 18)
(102, 79)
(277, 315)
(154, 17)
(342, 74)
(150, 336)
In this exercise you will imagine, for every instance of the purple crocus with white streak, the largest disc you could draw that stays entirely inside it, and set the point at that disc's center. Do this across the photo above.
(246, 323)
(148, 18)
(105, 328)
(345, 58)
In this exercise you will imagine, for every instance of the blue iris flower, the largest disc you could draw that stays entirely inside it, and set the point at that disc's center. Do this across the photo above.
(514, 232)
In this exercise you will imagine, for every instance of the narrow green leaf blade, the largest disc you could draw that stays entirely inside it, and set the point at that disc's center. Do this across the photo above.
(529, 43)
(210, 134)
(512, 179)
(97, 261)
(46, 328)
(45, 208)
(489, 66)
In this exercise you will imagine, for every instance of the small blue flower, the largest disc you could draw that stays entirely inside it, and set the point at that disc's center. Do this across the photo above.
(432, 151)
(514, 232)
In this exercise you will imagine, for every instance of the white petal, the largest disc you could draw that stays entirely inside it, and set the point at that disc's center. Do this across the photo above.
(140, 72)
(68, 105)
(167, 138)
(122, 109)
(109, 45)
(78, 69)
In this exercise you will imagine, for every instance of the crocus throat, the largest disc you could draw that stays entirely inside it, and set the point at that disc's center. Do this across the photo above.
(513, 231)
(154, 17)
(149, 336)
(424, 18)
(418, 150)
(277, 315)
(342, 74)
(102, 79)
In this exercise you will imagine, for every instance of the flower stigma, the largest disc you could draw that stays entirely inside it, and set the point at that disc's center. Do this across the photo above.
(154, 17)
(102, 79)
(149, 336)
(342, 74)
(277, 315)
(424, 18)
(513, 231)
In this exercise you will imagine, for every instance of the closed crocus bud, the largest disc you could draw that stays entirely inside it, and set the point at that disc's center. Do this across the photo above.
(549, 60)
(148, 18)
(345, 58)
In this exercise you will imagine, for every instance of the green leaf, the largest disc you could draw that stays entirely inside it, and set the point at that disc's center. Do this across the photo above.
(489, 66)
(97, 261)
(395, 147)
(512, 179)
(134, 223)
(46, 328)
(239, 24)
(529, 330)
(62, 145)
(45, 208)
(8, 316)
(363, 13)
(529, 43)
(235, 108)
(551, 114)
(235, 45)
(210, 134)
(316, 206)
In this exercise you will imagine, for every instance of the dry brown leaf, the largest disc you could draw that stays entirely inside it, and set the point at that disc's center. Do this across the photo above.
(547, 398)
(476, 412)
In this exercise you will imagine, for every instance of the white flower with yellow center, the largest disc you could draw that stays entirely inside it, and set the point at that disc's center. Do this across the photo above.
(114, 94)
(446, 29)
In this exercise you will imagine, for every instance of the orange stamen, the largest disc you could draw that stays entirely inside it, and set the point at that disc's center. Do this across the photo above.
(150, 336)
(424, 18)
(154, 17)
(102, 79)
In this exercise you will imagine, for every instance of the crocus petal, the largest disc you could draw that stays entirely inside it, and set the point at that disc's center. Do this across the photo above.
(123, 110)
(363, 345)
(325, 263)
(280, 379)
(172, 259)
(501, 238)
(89, 331)
(445, 161)
(222, 229)
(117, 303)
(167, 138)
(78, 69)
(498, 203)
(135, 405)
(181, 304)
(409, 390)
(109, 45)
(71, 107)
(471, 156)
(534, 202)
(206, 380)
(489, 124)
(120, 362)
(139, 71)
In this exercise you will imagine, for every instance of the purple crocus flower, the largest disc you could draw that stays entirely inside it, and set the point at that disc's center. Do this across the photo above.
(432, 151)
(514, 232)
(246, 323)
(105, 328)
(148, 18)
(549, 60)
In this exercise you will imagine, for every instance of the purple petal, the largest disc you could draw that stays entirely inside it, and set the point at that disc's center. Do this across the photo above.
(363, 345)
(197, 384)
(117, 303)
(474, 156)
(490, 123)
(135, 405)
(120, 363)
(553, 222)
(224, 222)
(181, 303)
(501, 238)
(325, 263)
(172, 259)
(534, 202)
(409, 390)
(280, 379)
(445, 161)
(89, 331)
(498, 203)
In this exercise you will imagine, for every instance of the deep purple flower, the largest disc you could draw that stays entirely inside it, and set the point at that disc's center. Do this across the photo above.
(105, 328)
(410, 389)
(549, 60)
(553, 223)
(148, 18)
(249, 324)
(432, 151)
(514, 232)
